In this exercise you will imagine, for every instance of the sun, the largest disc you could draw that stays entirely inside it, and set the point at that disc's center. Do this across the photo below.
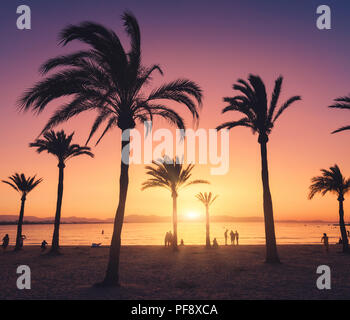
(192, 215)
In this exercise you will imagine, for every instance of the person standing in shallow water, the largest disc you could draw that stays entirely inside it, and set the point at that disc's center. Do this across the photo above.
(232, 235)
(237, 237)
(226, 237)
(324, 239)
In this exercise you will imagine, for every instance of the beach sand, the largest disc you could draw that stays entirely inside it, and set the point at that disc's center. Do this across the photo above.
(155, 272)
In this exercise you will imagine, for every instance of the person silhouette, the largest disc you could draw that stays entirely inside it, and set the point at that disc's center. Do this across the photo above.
(166, 239)
(170, 239)
(182, 242)
(232, 235)
(225, 234)
(324, 239)
(21, 240)
(237, 237)
(43, 245)
(215, 243)
(5, 241)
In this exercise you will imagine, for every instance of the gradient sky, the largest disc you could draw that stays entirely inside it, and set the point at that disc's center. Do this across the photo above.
(214, 44)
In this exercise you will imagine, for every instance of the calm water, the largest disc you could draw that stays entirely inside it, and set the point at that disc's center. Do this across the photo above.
(191, 232)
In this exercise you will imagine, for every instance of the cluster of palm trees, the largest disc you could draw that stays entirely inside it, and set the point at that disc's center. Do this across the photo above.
(107, 79)
(59, 145)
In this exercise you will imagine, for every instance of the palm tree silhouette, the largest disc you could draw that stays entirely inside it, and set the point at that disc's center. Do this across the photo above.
(260, 118)
(341, 103)
(207, 199)
(172, 175)
(60, 145)
(107, 79)
(23, 185)
(333, 181)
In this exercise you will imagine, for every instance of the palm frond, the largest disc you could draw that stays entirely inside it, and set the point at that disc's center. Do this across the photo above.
(341, 129)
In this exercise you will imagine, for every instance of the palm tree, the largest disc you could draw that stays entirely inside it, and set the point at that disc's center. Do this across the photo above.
(172, 175)
(59, 145)
(207, 199)
(341, 103)
(107, 79)
(23, 185)
(333, 181)
(260, 117)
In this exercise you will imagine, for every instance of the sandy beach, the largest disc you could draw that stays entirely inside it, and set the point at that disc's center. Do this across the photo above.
(154, 272)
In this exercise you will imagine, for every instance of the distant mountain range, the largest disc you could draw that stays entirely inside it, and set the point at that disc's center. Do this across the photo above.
(12, 219)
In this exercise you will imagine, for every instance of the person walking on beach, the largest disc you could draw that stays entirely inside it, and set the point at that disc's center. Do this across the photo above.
(225, 237)
(5, 241)
(232, 235)
(237, 237)
(324, 239)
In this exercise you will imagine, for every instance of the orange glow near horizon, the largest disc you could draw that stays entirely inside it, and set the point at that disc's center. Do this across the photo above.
(300, 144)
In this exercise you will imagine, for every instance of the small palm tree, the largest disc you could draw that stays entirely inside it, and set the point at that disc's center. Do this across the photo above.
(207, 199)
(172, 175)
(260, 117)
(333, 181)
(341, 103)
(60, 145)
(23, 185)
(107, 78)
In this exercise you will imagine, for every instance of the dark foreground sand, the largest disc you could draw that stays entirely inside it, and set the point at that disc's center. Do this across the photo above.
(151, 272)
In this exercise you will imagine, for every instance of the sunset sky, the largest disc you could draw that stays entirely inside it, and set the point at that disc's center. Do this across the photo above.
(214, 44)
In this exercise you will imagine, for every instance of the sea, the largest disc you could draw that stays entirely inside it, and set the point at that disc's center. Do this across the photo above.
(192, 233)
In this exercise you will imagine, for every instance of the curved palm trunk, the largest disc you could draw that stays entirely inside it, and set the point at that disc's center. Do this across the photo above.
(19, 225)
(174, 240)
(56, 233)
(112, 274)
(207, 238)
(342, 225)
(271, 248)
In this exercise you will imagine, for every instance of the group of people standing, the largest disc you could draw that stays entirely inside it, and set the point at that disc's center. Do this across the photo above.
(234, 236)
(168, 239)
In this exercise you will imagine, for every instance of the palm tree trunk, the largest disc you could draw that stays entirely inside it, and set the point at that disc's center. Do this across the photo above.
(112, 274)
(344, 235)
(55, 238)
(207, 238)
(19, 225)
(174, 240)
(271, 248)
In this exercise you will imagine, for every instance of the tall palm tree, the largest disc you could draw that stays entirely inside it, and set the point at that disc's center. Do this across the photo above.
(59, 145)
(333, 181)
(207, 199)
(172, 175)
(341, 103)
(260, 117)
(23, 185)
(107, 79)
